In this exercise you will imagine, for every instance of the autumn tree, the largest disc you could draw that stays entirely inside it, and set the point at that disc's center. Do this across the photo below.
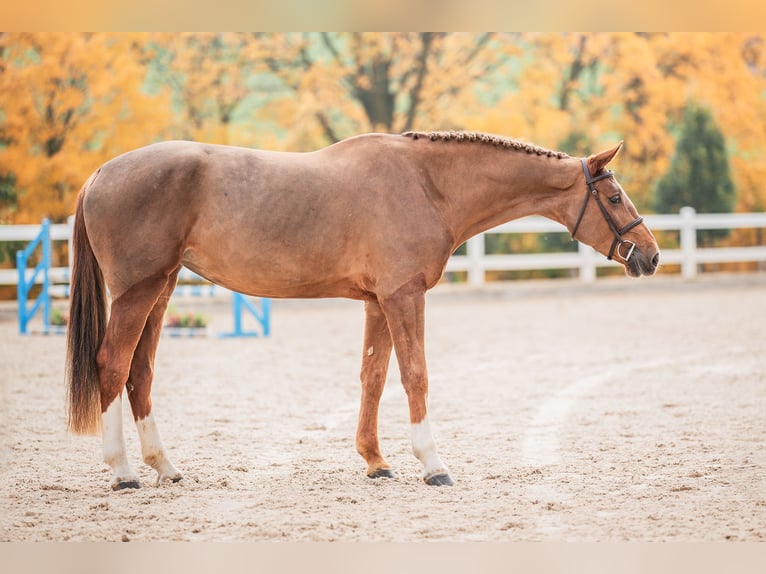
(8, 199)
(583, 92)
(214, 79)
(69, 103)
(724, 73)
(338, 85)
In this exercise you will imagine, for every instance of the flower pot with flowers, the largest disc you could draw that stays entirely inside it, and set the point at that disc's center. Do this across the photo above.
(186, 324)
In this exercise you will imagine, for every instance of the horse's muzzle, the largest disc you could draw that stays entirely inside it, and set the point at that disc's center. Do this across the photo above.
(640, 263)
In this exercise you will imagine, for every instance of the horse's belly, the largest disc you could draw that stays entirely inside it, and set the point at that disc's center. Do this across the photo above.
(274, 275)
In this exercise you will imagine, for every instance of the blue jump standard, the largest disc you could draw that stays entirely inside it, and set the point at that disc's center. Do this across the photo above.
(23, 287)
(261, 311)
(241, 303)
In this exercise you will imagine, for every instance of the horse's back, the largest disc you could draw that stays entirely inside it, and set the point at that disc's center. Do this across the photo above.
(191, 170)
(299, 224)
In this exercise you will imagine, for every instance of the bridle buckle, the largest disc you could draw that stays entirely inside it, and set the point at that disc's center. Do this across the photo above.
(630, 249)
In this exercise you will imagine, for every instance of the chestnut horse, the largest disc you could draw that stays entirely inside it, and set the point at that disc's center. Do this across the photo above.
(374, 217)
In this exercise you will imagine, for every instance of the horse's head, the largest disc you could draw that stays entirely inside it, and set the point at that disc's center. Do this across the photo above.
(606, 219)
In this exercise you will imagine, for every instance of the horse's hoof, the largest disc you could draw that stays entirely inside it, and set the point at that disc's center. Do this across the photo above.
(439, 480)
(168, 480)
(381, 473)
(123, 484)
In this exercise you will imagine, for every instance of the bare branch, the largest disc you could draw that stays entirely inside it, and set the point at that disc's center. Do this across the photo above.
(482, 41)
(426, 38)
(331, 47)
(574, 72)
(329, 132)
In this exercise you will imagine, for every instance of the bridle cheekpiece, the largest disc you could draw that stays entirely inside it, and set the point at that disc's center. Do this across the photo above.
(618, 233)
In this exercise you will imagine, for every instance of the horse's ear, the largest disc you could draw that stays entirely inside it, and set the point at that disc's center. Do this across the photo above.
(600, 160)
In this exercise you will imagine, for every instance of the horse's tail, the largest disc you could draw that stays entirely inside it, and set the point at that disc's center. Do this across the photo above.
(87, 325)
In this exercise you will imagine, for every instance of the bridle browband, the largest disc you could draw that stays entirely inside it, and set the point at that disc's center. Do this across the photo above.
(618, 233)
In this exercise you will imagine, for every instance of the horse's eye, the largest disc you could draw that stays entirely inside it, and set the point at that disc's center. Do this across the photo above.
(616, 199)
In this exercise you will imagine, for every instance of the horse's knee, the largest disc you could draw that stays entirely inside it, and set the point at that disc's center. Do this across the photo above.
(373, 378)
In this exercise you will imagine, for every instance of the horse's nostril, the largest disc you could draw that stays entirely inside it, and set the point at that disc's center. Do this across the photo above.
(656, 259)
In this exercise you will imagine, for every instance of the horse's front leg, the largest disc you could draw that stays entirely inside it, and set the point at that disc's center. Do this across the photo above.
(405, 313)
(375, 358)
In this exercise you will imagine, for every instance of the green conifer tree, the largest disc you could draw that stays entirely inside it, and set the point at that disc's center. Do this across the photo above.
(699, 174)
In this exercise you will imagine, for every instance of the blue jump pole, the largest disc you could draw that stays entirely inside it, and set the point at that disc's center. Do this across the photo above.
(46, 293)
(23, 286)
(21, 292)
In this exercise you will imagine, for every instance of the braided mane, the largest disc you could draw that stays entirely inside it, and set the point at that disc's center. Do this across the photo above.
(498, 141)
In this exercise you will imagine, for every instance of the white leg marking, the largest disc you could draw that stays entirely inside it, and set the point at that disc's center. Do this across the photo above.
(152, 451)
(114, 444)
(424, 448)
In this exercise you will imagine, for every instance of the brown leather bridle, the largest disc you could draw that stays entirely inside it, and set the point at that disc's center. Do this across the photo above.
(618, 232)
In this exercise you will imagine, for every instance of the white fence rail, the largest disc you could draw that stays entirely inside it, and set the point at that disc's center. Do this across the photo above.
(26, 233)
(689, 256)
(476, 262)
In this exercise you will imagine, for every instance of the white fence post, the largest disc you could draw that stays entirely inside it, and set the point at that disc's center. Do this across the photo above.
(587, 262)
(475, 250)
(688, 239)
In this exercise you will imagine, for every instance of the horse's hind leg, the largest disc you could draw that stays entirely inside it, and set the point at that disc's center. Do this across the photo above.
(140, 386)
(375, 357)
(129, 312)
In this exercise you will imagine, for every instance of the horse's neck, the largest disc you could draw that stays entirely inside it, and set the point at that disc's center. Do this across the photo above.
(495, 186)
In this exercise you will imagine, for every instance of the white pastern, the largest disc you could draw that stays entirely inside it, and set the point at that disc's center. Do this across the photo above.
(114, 444)
(424, 448)
(152, 451)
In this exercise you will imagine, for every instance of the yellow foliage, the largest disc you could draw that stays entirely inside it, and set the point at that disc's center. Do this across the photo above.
(607, 87)
(70, 101)
(64, 111)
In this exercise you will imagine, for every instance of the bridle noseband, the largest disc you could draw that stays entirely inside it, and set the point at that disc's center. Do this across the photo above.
(618, 233)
